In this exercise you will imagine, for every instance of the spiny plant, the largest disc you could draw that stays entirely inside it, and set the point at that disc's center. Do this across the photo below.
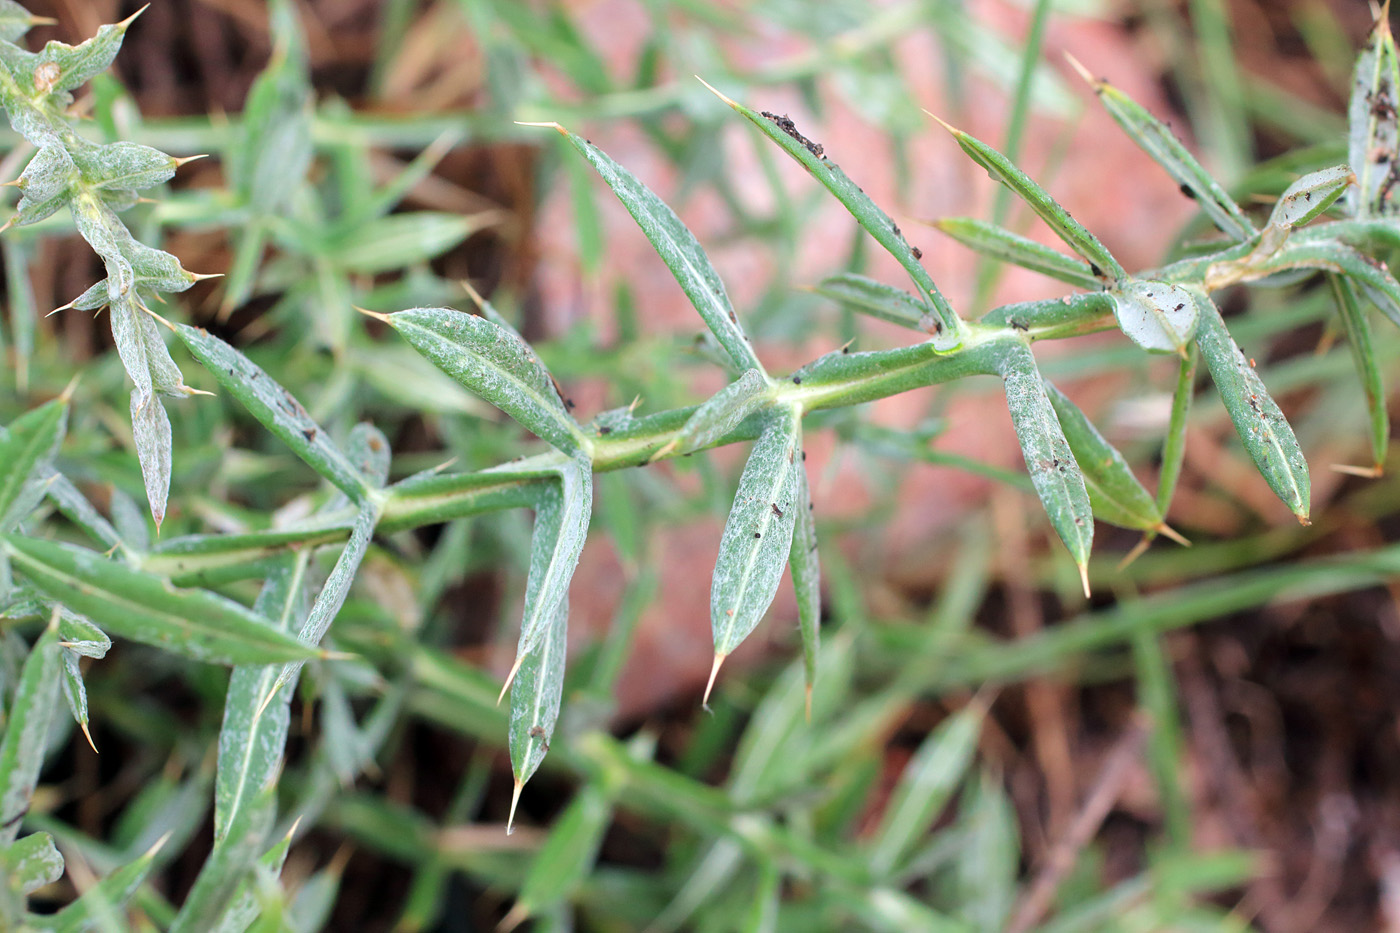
(164, 595)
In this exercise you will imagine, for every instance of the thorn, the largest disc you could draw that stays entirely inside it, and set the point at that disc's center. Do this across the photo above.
(10, 184)
(807, 704)
(1084, 73)
(190, 390)
(374, 314)
(717, 93)
(1168, 531)
(1138, 550)
(1084, 577)
(1374, 472)
(518, 915)
(205, 276)
(945, 124)
(60, 308)
(158, 318)
(665, 450)
(262, 707)
(67, 394)
(510, 678)
(705, 701)
(9, 223)
(42, 21)
(514, 800)
(548, 124)
(159, 517)
(194, 158)
(473, 294)
(128, 21)
(88, 736)
(159, 843)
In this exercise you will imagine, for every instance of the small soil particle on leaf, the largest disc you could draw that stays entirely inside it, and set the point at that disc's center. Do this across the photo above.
(784, 123)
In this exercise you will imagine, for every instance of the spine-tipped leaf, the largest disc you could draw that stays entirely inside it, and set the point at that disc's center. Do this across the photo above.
(1373, 138)
(96, 906)
(1076, 237)
(1115, 492)
(757, 540)
(1307, 198)
(1053, 470)
(806, 577)
(276, 408)
(876, 299)
(30, 863)
(536, 694)
(1358, 330)
(495, 364)
(678, 248)
(1000, 243)
(1262, 428)
(812, 157)
(146, 608)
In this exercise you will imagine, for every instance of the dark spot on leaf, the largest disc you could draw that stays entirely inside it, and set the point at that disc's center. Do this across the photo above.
(785, 124)
(1096, 270)
(797, 380)
(604, 429)
(918, 253)
(758, 534)
(1186, 190)
(309, 434)
(777, 511)
(1017, 325)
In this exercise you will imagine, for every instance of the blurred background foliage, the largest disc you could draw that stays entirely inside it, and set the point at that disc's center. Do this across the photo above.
(1209, 744)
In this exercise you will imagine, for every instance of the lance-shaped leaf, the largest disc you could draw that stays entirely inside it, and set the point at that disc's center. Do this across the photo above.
(246, 905)
(876, 299)
(31, 862)
(1373, 139)
(1158, 141)
(1307, 198)
(806, 580)
(535, 696)
(80, 636)
(999, 243)
(1076, 237)
(123, 166)
(1358, 330)
(275, 407)
(150, 429)
(721, 413)
(26, 453)
(102, 900)
(76, 693)
(26, 731)
(757, 539)
(1115, 492)
(495, 364)
(567, 857)
(146, 608)
(1055, 317)
(926, 786)
(229, 865)
(1260, 423)
(678, 248)
(253, 736)
(1053, 470)
(947, 329)
(1174, 445)
(562, 513)
(1155, 315)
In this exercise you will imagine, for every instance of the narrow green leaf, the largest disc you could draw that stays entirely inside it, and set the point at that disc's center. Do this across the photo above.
(269, 155)
(150, 429)
(145, 608)
(535, 695)
(74, 691)
(1101, 261)
(1056, 317)
(999, 243)
(1049, 459)
(253, 736)
(1155, 315)
(229, 865)
(875, 299)
(1373, 138)
(678, 248)
(947, 329)
(806, 579)
(26, 732)
(368, 449)
(566, 858)
(80, 636)
(1260, 423)
(31, 862)
(245, 906)
(26, 453)
(275, 407)
(103, 899)
(1174, 445)
(925, 788)
(989, 859)
(562, 514)
(1369, 274)
(722, 412)
(757, 540)
(401, 240)
(1307, 198)
(1363, 353)
(1158, 141)
(495, 364)
(1115, 492)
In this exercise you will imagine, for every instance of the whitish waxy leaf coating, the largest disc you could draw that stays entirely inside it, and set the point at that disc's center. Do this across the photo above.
(678, 248)
(1260, 423)
(194, 623)
(757, 540)
(1049, 460)
(1373, 138)
(27, 721)
(31, 863)
(1155, 315)
(495, 364)
(875, 299)
(1308, 197)
(806, 579)
(99, 902)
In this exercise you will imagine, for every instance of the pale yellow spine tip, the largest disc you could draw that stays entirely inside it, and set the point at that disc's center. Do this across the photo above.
(132, 18)
(1303, 518)
(67, 394)
(945, 124)
(1084, 578)
(715, 91)
(1084, 73)
(1167, 531)
(374, 314)
(547, 124)
(1371, 472)
(88, 735)
(510, 679)
(714, 671)
(188, 159)
(472, 293)
(807, 704)
(514, 801)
